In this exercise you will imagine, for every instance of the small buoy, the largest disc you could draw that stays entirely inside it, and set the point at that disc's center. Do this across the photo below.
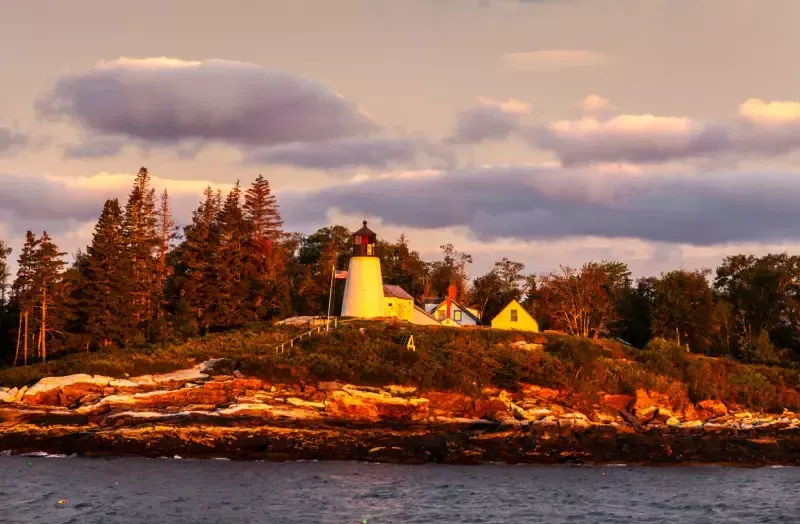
(63, 501)
(30, 464)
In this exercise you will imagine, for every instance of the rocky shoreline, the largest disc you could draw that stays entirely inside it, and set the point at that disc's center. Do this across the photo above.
(196, 413)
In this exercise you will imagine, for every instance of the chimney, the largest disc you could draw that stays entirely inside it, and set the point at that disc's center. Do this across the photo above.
(451, 295)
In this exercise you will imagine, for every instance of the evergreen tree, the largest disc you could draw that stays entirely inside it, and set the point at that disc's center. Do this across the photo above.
(233, 261)
(197, 270)
(142, 238)
(167, 233)
(23, 294)
(269, 257)
(48, 288)
(105, 287)
(261, 210)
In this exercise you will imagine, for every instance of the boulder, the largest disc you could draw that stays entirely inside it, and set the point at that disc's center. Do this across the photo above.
(616, 402)
(454, 403)
(540, 393)
(343, 405)
(714, 407)
(673, 422)
(373, 407)
(64, 391)
(491, 409)
(400, 391)
(20, 394)
(8, 396)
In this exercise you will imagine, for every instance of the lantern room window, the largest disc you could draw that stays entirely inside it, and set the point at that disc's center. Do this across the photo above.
(364, 242)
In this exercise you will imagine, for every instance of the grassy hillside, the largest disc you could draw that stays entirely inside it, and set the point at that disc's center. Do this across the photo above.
(464, 359)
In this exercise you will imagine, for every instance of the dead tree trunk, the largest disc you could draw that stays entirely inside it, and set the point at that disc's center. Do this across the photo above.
(25, 357)
(19, 337)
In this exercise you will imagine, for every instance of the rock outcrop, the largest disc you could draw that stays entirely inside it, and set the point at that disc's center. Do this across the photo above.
(198, 413)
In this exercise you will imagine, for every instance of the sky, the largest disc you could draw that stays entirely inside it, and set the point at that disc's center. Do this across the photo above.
(661, 133)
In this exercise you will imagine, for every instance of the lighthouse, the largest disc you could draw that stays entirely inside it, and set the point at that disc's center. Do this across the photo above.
(363, 290)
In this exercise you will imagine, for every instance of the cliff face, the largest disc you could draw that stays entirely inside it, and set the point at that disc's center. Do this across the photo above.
(194, 413)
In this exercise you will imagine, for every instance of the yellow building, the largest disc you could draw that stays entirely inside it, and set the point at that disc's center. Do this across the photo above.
(514, 316)
(397, 303)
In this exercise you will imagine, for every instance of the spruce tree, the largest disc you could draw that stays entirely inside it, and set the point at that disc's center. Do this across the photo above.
(105, 285)
(167, 233)
(261, 211)
(142, 238)
(48, 289)
(233, 261)
(23, 294)
(269, 258)
(197, 271)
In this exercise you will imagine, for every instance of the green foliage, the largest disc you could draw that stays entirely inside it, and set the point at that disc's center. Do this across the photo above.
(665, 357)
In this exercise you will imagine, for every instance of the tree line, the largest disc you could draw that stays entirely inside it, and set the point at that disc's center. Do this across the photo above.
(142, 280)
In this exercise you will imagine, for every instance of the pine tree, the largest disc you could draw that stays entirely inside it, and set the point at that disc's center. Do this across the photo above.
(197, 270)
(268, 260)
(167, 233)
(234, 247)
(105, 288)
(23, 294)
(48, 288)
(261, 211)
(142, 238)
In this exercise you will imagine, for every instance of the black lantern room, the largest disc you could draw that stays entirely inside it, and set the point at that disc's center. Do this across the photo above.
(364, 242)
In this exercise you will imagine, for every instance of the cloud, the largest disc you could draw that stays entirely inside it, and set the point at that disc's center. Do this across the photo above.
(756, 111)
(630, 138)
(96, 147)
(555, 59)
(165, 101)
(593, 103)
(10, 140)
(57, 203)
(534, 203)
(375, 153)
(489, 120)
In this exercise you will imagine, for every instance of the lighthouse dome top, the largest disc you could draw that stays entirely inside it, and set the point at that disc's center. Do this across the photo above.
(365, 231)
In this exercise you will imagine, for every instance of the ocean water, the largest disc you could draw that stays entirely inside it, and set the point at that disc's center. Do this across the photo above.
(154, 491)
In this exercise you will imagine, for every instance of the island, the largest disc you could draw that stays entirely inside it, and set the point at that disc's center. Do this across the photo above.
(461, 396)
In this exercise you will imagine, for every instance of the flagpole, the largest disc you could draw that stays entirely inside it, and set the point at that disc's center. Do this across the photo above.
(330, 298)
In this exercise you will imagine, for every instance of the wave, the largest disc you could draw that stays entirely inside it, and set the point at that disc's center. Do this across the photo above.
(44, 454)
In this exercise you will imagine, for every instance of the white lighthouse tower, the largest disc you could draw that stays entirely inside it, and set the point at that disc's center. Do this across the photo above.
(363, 290)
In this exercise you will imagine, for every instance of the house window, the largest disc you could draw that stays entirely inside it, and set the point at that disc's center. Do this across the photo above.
(357, 239)
(369, 249)
(440, 315)
(390, 304)
(513, 315)
(457, 315)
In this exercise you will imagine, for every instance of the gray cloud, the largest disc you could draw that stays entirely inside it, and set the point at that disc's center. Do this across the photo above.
(96, 147)
(11, 139)
(165, 101)
(488, 120)
(531, 203)
(633, 145)
(35, 202)
(374, 153)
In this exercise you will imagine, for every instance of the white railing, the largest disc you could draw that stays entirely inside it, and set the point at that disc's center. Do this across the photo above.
(319, 330)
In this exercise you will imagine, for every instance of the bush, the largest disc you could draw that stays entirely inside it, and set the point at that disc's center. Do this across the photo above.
(665, 357)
